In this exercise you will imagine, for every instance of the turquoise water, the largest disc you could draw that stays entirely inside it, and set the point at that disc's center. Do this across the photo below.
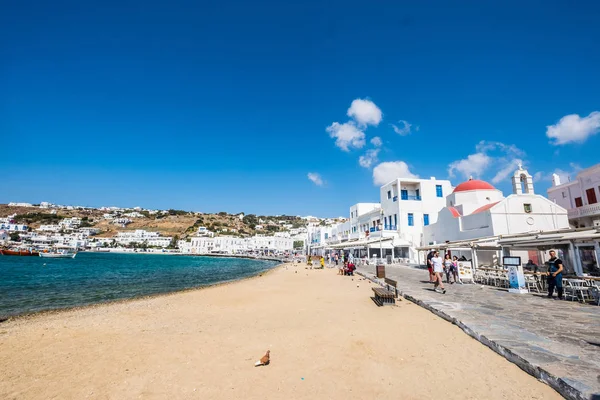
(30, 284)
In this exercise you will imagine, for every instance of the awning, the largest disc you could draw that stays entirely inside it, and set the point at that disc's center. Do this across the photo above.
(486, 243)
(551, 238)
(359, 243)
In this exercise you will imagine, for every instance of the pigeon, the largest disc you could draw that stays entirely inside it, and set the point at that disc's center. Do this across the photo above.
(265, 360)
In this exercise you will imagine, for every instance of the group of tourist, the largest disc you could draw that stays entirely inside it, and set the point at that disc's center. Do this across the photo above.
(438, 266)
(346, 268)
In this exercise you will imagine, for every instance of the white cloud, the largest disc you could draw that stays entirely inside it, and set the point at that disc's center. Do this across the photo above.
(388, 171)
(376, 141)
(404, 129)
(573, 128)
(473, 165)
(539, 176)
(346, 135)
(365, 112)
(502, 159)
(508, 169)
(369, 158)
(315, 178)
(565, 176)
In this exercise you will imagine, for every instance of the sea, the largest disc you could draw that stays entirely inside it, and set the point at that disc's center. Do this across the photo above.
(33, 284)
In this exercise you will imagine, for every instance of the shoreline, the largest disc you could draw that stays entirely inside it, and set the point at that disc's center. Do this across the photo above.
(55, 311)
(280, 259)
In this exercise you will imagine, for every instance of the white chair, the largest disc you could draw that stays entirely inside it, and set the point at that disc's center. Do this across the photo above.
(532, 284)
(595, 294)
(581, 289)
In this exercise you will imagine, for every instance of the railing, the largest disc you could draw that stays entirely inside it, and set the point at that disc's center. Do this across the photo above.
(390, 227)
(411, 197)
(583, 211)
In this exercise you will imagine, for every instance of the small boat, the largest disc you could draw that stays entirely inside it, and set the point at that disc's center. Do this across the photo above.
(58, 254)
(19, 253)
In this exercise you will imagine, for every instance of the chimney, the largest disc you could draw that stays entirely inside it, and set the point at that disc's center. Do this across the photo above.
(555, 180)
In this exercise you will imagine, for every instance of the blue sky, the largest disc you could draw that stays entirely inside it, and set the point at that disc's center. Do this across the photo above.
(228, 106)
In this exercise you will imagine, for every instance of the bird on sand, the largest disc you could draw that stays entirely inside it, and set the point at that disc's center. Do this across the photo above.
(265, 360)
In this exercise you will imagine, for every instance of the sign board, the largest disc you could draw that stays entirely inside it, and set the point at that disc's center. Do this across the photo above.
(516, 278)
(465, 270)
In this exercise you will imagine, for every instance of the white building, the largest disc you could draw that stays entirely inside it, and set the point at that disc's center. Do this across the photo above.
(4, 236)
(579, 197)
(476, 209)
(141, 236)
(48, 228)
(14, 227)
(234, 245)
(70, 223)
(20, 205)
(202, 231)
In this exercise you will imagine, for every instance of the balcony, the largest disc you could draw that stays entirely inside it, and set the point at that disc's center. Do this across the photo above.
(411, 197)
(390, 227)
(585, 211)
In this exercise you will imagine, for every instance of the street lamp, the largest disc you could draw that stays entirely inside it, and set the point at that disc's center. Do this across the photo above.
(381, 235)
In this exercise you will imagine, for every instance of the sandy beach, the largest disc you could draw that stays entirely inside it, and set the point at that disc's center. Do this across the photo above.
(327, 338)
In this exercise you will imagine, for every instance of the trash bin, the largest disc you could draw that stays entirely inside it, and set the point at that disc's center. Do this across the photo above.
(380, 268)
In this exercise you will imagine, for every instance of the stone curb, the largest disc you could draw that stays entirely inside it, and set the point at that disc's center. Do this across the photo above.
(556, 383)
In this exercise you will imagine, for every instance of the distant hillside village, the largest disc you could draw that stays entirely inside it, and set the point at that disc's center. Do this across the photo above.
(46, 225)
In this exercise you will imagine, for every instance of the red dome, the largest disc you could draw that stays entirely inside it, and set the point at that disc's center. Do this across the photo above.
(473, 184)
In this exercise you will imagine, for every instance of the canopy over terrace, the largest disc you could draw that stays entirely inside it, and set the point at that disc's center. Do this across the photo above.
(390, 246)
(578, 248)
(489, 245)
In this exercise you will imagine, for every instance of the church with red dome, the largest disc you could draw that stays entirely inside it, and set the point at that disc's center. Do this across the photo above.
(476, 209)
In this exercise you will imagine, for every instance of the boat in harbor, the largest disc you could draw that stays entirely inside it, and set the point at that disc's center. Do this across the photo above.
(19, 252)
(58, 254)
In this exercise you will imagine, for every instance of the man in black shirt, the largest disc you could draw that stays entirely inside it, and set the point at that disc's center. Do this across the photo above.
(430, 266)
(555, 269)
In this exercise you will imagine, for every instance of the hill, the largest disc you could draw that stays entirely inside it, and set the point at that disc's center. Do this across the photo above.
(169, 222)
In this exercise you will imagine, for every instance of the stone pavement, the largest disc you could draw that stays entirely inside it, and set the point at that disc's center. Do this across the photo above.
(555, 341)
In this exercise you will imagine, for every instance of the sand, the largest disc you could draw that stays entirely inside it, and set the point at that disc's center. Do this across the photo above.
(327, 338)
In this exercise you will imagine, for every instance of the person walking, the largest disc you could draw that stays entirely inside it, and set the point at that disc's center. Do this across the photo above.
(438, 269)
(448, 268)
(455, 270)
(430, 266)
(555, 269)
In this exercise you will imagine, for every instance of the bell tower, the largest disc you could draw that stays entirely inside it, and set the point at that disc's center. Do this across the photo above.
(522, 181)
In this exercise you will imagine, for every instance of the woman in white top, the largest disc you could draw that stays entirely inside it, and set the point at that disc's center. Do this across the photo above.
(438, 270)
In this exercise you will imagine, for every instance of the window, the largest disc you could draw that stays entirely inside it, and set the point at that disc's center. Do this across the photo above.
(385, 221)
(578, 202)
(411, 219)
(438, 191)
(326, 235)
(565, 194)
(418, 194)
(389, 194)
(425, 219)
(396, 219)
(527, 207)
(591, 196)
(404, 194)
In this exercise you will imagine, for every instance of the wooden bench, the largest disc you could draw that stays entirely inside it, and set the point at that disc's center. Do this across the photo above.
(383, 296)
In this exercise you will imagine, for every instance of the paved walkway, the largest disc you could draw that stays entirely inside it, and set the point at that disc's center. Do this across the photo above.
(556, 341)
